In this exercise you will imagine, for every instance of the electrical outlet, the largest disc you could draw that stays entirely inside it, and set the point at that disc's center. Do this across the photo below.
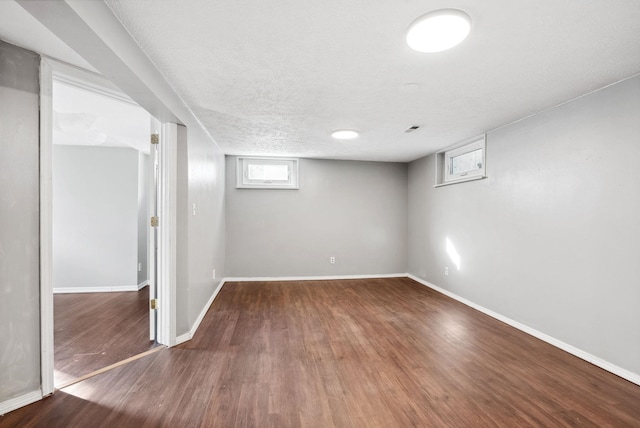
(139, 267)
(446, 270)
(332, 260)
(194, 209)
(214, 274)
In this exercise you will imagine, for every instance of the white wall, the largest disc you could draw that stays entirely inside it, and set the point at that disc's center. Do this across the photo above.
(551, 239)
(19, 223)
(354, 211)
(144, 189)
(95, 217)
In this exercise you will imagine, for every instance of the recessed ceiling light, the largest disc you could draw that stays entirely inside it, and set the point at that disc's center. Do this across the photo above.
(344, 134)
(438, 30)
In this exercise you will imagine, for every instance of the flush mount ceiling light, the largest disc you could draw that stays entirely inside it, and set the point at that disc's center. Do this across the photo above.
(438, 30)
(344, 134)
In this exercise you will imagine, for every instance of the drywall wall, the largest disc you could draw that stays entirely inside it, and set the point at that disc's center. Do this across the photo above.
(551, 238)
(182, 233)
(144, 190)
(19, 223)
(207, 227)
(95, 217)
(353, 211)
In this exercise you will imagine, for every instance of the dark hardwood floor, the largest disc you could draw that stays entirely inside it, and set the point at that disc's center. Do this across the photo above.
(357, 353)
(95, 330)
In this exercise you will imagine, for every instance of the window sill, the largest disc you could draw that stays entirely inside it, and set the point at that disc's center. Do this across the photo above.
(462, 180)
(267, 187)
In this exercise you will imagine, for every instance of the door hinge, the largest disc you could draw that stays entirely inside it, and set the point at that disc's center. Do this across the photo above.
(153, 304)
(155, 138)
(154, 221)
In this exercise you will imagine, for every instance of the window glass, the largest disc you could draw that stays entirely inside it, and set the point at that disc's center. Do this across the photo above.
(466, 162)
(266, 173)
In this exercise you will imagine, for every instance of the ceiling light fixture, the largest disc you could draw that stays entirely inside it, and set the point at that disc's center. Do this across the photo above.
(344, 134)
(438, 30)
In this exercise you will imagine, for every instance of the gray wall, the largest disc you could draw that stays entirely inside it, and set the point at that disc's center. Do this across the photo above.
(95, 216)
(200, 239)
(551, 239)
(207, 227)
(19, 223)
(182, 234)
(144, 189)
(354, 211)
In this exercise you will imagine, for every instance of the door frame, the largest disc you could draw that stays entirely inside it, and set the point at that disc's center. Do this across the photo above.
(167, 227)
(46, 227)
(166, 280)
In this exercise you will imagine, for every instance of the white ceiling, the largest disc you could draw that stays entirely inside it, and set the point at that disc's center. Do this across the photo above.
(18, 27)
(276, 77)
(84, 117)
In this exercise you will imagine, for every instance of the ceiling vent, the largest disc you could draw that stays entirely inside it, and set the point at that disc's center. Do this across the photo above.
(411, 129)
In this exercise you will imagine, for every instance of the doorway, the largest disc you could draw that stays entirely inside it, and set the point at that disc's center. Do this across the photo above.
(102, 194)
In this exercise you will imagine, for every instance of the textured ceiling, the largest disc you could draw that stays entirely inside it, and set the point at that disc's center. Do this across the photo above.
(276, 77)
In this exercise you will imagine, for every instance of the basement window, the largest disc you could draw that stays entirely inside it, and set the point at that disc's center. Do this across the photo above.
(266, 173)
(461, 163)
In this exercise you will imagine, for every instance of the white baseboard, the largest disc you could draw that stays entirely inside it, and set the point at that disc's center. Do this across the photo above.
(603, 364)
(143, 284)
(21, 401)
(114, 289)
(183, 338)
(314, 278)
(189, 335)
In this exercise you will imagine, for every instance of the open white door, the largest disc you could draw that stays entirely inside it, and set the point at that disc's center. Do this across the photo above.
(154, 171)
(162, 245)
(166, 235)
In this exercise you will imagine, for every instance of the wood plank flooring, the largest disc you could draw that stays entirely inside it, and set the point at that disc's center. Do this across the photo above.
(356, 353)
(95, 330)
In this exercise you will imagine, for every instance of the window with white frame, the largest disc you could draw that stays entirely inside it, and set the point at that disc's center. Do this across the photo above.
(267, 173)
(466, 162)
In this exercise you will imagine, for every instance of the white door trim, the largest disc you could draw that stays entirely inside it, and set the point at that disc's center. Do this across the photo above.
(46, 227)
(152, 244)
(167, 154)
